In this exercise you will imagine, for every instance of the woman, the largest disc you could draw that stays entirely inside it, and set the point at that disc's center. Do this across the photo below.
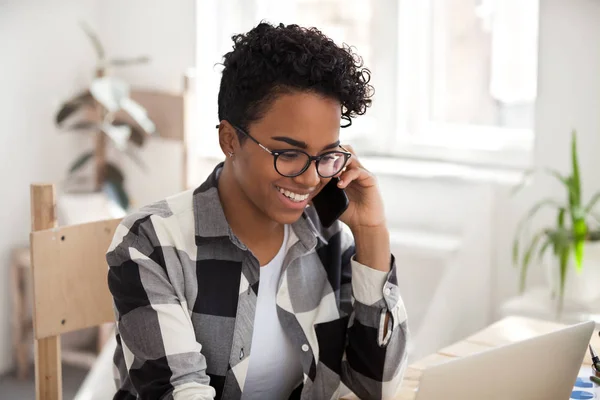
(193, 321)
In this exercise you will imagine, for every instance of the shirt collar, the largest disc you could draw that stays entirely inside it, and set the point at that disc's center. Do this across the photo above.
(210, 221)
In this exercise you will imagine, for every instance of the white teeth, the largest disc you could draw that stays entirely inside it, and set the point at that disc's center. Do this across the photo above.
(293, 196)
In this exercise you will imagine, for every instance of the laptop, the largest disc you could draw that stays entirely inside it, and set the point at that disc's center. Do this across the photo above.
(541, 368)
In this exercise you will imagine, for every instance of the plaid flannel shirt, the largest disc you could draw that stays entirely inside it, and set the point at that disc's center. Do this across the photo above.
(185, 291)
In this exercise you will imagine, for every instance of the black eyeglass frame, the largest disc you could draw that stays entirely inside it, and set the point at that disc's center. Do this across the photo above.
(316, 159)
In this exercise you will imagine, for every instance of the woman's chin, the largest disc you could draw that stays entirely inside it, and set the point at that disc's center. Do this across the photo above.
(286, 217)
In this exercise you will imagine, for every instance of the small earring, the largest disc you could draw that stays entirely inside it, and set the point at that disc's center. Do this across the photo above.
(230, 154)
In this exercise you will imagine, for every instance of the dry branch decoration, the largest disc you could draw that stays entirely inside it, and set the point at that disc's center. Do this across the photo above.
(106, 110)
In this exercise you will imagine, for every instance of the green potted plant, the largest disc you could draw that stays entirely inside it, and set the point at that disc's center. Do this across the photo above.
(570, 240)
(105, 110)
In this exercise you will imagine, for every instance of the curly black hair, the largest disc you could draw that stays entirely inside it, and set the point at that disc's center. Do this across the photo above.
(271, 60)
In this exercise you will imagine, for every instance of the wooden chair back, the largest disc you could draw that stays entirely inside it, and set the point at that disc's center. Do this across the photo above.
(70, 289)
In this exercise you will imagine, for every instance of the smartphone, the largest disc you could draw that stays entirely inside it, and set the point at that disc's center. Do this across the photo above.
(330, 203)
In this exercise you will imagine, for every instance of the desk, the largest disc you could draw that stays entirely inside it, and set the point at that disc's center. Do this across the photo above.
(505, 331)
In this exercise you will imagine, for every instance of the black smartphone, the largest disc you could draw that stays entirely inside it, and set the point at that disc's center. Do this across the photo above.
(330, 203)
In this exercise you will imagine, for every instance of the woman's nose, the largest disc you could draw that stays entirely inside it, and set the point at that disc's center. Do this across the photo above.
(310, 177)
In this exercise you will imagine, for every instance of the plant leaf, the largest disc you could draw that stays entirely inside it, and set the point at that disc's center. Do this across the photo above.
(139, 114)
(81, 161)
(578, 212)
(562, 179)
(109, 92)
(72, 105)
(116, 192)
(123, 62)
(561, 244)
(138, 137)
(563, 259)
(560, 220)
(83, 126)
(578, 247)
(558, 236)
(572, 196)
(544, 247)
(94, 39)
(113, 173)
(118, 134)
(515, 251)
(580, 229)
(538, 206)
(577, 215)
(523, 222)
(580, 233)
(576, 182)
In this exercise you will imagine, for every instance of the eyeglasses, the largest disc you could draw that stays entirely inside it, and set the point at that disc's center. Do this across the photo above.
(291, 163)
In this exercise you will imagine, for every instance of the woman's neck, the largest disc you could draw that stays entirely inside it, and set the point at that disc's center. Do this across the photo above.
(247, 222)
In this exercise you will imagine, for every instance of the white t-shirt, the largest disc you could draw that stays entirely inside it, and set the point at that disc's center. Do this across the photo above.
(274, 370)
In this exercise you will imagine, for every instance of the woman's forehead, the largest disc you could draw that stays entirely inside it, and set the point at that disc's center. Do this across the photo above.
(308, 117)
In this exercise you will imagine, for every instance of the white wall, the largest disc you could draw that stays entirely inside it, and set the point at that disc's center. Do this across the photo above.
(459, 288)
(440, 236)
(569, 98)
(45, 59)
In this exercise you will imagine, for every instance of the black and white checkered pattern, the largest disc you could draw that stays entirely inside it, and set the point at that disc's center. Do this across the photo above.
(185, 291)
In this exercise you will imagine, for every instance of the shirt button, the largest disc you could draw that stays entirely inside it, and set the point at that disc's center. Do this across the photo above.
(305, 347)
(387, 291)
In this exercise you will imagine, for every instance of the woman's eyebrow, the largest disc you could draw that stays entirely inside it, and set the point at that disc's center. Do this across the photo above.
(301, 144)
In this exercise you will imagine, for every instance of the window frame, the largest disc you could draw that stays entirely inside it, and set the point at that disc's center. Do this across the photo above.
(410, 132)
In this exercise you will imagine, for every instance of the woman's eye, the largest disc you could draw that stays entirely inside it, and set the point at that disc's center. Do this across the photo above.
(288, 156)
(330, 158)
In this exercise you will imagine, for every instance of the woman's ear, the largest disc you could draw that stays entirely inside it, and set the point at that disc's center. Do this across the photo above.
(228, 138)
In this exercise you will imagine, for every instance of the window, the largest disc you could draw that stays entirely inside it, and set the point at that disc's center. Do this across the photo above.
(454, 79)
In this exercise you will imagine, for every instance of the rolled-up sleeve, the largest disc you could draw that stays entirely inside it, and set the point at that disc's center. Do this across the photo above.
(376, 352)
(376, 288)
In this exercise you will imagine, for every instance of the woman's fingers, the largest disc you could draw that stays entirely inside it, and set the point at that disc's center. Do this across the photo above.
(348, 176)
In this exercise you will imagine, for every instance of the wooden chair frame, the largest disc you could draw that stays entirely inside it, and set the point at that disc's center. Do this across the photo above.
(70, 288)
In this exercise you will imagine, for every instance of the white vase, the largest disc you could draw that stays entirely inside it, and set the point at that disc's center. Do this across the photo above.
(580, 287)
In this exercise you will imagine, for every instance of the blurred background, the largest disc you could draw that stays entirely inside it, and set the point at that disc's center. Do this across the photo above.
(471, 132)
